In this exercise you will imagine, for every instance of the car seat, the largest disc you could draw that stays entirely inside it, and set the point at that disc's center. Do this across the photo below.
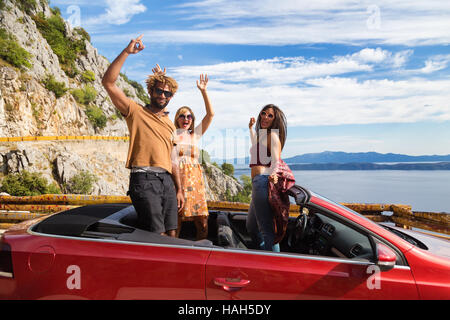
(226, 236)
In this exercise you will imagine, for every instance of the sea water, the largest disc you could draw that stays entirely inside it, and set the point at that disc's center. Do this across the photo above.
(424, 190)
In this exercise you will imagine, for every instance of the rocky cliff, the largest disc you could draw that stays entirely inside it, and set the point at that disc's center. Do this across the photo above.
(50, 85)
(28, 106)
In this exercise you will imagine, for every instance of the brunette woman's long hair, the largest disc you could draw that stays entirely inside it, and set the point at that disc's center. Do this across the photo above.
(278, 123)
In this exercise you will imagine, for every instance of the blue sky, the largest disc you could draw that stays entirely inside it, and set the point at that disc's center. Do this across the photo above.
(352, 76)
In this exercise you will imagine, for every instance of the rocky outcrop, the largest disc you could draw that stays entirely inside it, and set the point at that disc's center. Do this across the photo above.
(58, 162)
(219, 185)
(27, 107)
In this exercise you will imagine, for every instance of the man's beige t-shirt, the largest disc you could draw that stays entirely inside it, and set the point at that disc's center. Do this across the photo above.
(151, 138)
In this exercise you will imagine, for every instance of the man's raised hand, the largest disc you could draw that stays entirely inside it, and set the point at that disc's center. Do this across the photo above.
(135, 45)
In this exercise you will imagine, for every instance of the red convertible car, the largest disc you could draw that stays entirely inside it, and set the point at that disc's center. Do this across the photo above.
(329, 252)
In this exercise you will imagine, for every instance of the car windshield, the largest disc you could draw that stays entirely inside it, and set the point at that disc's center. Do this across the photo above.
(314, 194)
(402, 235)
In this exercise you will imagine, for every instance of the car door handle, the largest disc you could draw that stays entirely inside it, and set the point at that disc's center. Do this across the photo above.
(231, 284)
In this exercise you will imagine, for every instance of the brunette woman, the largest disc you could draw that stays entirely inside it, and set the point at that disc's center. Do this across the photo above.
(267, 142)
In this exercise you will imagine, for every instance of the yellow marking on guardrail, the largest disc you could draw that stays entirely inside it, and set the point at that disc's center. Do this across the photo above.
(54, 138)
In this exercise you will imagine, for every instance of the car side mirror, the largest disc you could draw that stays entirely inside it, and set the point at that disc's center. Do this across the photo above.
(299, 194)
(386, 257)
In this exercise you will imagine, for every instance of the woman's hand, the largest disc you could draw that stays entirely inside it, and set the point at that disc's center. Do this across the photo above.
(158, 72)
(251, 123)
(202, 84)
(135, 45)
(180, 202)
(273, 178)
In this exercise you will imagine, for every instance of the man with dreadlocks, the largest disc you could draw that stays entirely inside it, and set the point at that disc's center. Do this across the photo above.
(154, 189)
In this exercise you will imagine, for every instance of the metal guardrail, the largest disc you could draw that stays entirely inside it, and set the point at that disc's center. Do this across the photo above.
(52, 138)
(17, 209)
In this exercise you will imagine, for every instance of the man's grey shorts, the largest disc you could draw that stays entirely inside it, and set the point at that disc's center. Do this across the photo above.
(154, 197)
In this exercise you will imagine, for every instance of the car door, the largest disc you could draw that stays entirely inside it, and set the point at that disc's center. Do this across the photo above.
(99, 269)
(242, 274)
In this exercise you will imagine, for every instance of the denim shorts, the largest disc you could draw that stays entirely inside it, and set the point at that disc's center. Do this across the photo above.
(154, 197)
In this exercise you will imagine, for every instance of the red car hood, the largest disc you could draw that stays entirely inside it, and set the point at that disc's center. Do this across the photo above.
(435, 245)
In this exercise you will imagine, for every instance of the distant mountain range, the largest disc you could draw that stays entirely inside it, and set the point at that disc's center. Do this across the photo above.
(362, 157)
(338, 160)
(370, 166)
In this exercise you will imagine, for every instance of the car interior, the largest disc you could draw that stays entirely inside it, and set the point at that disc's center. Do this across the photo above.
(313, 232)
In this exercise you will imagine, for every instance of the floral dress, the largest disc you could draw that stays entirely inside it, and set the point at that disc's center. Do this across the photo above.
(191, 177)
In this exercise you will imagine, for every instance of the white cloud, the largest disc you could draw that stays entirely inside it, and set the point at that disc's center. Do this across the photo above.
(436, 63)
(400, 58)
(371, 55)
(295, 70)
(289, 22)
(317, 92)
(117, 12)
(284, 22)
(432, 64)
(279, 70)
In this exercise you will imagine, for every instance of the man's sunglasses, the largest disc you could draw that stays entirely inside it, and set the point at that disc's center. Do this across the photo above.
(269, 115)
(184, 117)
(167, 94)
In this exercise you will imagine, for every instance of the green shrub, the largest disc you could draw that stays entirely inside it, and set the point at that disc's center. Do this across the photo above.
(53, 188)
(88, 76)
(27, 184)
(96, 116)
(140, 91)
(228, 169)
(26, 5)
(12, 52)
(127, 92)
(67, 50)
(244, 195)
(56, 11)
(78, 94)
(89, 94)
(85, 95)
(58, 88)
(83, 33)
(81, 183)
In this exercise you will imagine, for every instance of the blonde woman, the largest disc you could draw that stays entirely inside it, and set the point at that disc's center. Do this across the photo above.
(191, 176)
